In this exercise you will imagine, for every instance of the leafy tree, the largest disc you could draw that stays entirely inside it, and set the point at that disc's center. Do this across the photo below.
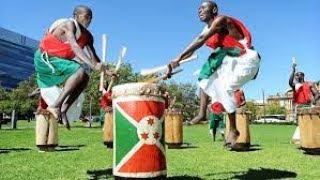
(186, 98)
(275, 109)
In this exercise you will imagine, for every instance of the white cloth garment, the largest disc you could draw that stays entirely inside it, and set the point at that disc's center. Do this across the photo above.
(233, 73)
(50, 95)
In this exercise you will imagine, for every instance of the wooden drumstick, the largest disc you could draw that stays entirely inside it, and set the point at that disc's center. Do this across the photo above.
(104, 49)
(145, 72)
(120, 60)
(164, 76)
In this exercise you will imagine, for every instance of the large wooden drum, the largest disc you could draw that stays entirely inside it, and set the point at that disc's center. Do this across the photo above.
(309, 124)
(173, 128)
(242, 123)
(46, 130)
(108, 130)
(138, 150)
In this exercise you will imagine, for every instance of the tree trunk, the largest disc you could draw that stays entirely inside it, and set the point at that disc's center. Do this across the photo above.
(13, 119)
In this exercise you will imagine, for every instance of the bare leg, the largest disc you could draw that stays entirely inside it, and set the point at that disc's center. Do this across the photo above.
(233, 132)
(72, 83)
(203, 108)
(70, 99)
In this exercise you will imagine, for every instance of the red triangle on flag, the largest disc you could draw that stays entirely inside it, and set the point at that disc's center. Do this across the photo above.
(140, 109)
(149, 158)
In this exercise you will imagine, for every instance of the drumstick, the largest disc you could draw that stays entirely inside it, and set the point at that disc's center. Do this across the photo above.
(162, 68)
(120, 60)
(164, 76)
(294, 60)
(104, 48)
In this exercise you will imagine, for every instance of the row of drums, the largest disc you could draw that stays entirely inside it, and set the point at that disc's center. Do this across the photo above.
(140, 126)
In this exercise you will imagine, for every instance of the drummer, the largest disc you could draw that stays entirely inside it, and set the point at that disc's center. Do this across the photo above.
(304, 93)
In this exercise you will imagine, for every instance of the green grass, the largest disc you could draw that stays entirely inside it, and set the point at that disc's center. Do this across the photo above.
(272, 157)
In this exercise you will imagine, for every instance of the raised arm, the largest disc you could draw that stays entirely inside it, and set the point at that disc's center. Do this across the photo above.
(217, 26)
(70, 29)
(291, 83)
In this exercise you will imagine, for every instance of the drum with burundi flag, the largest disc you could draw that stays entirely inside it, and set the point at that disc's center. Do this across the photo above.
(138, 131)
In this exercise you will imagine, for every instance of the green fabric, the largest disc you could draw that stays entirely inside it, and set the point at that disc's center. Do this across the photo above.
(216, 121)
(126, 136)
(304, 105)
(102, 113)
(64, 68)
(215, 60)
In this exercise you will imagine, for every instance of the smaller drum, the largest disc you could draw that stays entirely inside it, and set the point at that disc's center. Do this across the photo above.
(173, 128)
(309, 124)
(242, 123)
(108, 130)
(46, 130)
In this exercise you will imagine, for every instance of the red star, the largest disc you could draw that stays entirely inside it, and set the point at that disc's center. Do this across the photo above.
(150, 121)
(156, 135)
(144, 135)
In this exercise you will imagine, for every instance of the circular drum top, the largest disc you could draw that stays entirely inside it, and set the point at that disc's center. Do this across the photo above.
(137, 89)
(174, 111)
(309, 110)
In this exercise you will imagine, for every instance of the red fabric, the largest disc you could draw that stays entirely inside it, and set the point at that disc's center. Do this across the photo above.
(217, 108)
(303, 94)
(226, 41)
(42, 104)
(55, 47)
(237, 95)
(106, 100)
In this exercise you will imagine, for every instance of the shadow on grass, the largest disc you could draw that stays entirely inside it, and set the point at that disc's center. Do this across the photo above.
(252, 147)
(69, 147)
(107, 173)
(246, 150)
(72, 146)
(7, 150)
(185, 145)
(185, 177)
(261, 174)
(100, 173)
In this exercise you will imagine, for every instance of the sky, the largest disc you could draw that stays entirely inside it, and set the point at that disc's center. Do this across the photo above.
(157, 31)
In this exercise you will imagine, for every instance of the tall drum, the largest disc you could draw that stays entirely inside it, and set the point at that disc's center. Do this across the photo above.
(108, 130)
(138, 151)
(46, 130)
(242, 123)
(173, 128)
(309, 124)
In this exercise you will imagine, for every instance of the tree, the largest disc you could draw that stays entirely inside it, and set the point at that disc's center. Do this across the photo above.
(275, 109)
(186, 99)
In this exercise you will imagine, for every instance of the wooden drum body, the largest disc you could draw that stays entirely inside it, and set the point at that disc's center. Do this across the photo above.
(173, 128)
(108, 129)
(138, 152)
(309, 124)
(242, 123)
(46, 130)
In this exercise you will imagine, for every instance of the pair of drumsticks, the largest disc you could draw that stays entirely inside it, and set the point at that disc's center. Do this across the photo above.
(145, 72)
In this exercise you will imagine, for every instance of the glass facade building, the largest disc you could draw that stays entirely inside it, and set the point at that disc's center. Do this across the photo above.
(16, 58)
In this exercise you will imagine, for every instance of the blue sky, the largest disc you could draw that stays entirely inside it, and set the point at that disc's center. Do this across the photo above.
(156, 31)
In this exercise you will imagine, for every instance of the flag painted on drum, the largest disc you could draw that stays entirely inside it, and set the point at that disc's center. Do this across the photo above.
(139, 139)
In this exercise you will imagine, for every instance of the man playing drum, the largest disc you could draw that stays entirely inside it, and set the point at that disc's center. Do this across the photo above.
(55, 64)
(232, 64)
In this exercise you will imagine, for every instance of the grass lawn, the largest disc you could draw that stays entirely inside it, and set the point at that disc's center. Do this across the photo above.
(82, 155)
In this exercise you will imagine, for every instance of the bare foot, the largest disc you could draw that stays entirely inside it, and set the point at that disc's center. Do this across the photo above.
(65, 120)
(232, 137)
